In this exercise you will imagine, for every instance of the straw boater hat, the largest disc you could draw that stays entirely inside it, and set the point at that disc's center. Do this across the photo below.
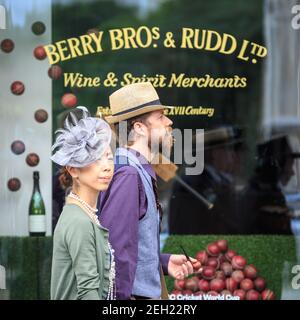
(133, 100)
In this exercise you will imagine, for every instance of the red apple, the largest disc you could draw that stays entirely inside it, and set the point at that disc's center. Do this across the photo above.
(40, 53)
(179, 284)
(32, 159)
(220, 274)
(221, 258)
(203, 285)
(17, 88)
(229, 255)
(213, 250)
(238, 275)
(55, 72)
(202, 257)
(246, 284)
(69, 100)
(259, 284)
(17, 147)
(213, 262)
(41, 115)
(240, 293)
(250, 272)
(238, 262)
(187, 292)
(268, 295)
(227, 268)
(222, 244)
(217, 285)
(231, 284)
(7, 45)
(252, 295)
(191, 284)
(208, 273)
(14, 184)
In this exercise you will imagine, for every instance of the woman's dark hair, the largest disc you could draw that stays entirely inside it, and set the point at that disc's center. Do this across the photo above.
(65, 178)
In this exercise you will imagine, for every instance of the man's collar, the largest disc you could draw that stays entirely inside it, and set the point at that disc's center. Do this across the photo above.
(144, 162)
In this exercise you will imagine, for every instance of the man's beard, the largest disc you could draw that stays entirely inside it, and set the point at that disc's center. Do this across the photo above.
(163, 145)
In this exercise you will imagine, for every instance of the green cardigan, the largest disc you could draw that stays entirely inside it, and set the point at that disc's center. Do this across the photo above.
(81, 260)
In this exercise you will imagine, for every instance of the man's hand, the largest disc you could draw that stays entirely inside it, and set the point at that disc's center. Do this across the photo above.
(179, 267)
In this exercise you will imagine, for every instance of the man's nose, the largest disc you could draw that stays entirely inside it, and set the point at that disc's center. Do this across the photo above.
(169, 122)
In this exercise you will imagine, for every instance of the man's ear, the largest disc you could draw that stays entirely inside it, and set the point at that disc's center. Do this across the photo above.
(139, 128)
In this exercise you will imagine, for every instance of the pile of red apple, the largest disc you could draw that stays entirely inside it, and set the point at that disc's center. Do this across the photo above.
(224, 272)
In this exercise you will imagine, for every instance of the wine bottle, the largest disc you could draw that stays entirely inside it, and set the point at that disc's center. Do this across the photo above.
(37, 214)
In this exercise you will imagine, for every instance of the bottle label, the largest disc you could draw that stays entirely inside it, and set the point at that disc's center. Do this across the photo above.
(37, 223)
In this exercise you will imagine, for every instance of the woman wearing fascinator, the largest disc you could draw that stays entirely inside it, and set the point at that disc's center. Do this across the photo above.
(83, 264)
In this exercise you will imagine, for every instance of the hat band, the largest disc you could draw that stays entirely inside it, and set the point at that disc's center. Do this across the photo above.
(151, 103)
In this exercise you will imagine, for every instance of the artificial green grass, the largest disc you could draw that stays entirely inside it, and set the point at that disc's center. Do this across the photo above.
(28, 260)
(267, 253)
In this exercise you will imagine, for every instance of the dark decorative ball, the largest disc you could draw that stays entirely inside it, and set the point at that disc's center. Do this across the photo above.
(7, 45)
(17, 88)
(41, 115)
(40, 53)
(17, 147)
(55, 72)
(38, 28)
(14, 184)
(32, 159)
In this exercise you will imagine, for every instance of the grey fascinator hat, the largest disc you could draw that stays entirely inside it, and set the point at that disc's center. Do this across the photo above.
(81, 142)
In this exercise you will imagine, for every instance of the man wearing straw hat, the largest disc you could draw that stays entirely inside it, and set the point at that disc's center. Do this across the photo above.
(130, 208)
